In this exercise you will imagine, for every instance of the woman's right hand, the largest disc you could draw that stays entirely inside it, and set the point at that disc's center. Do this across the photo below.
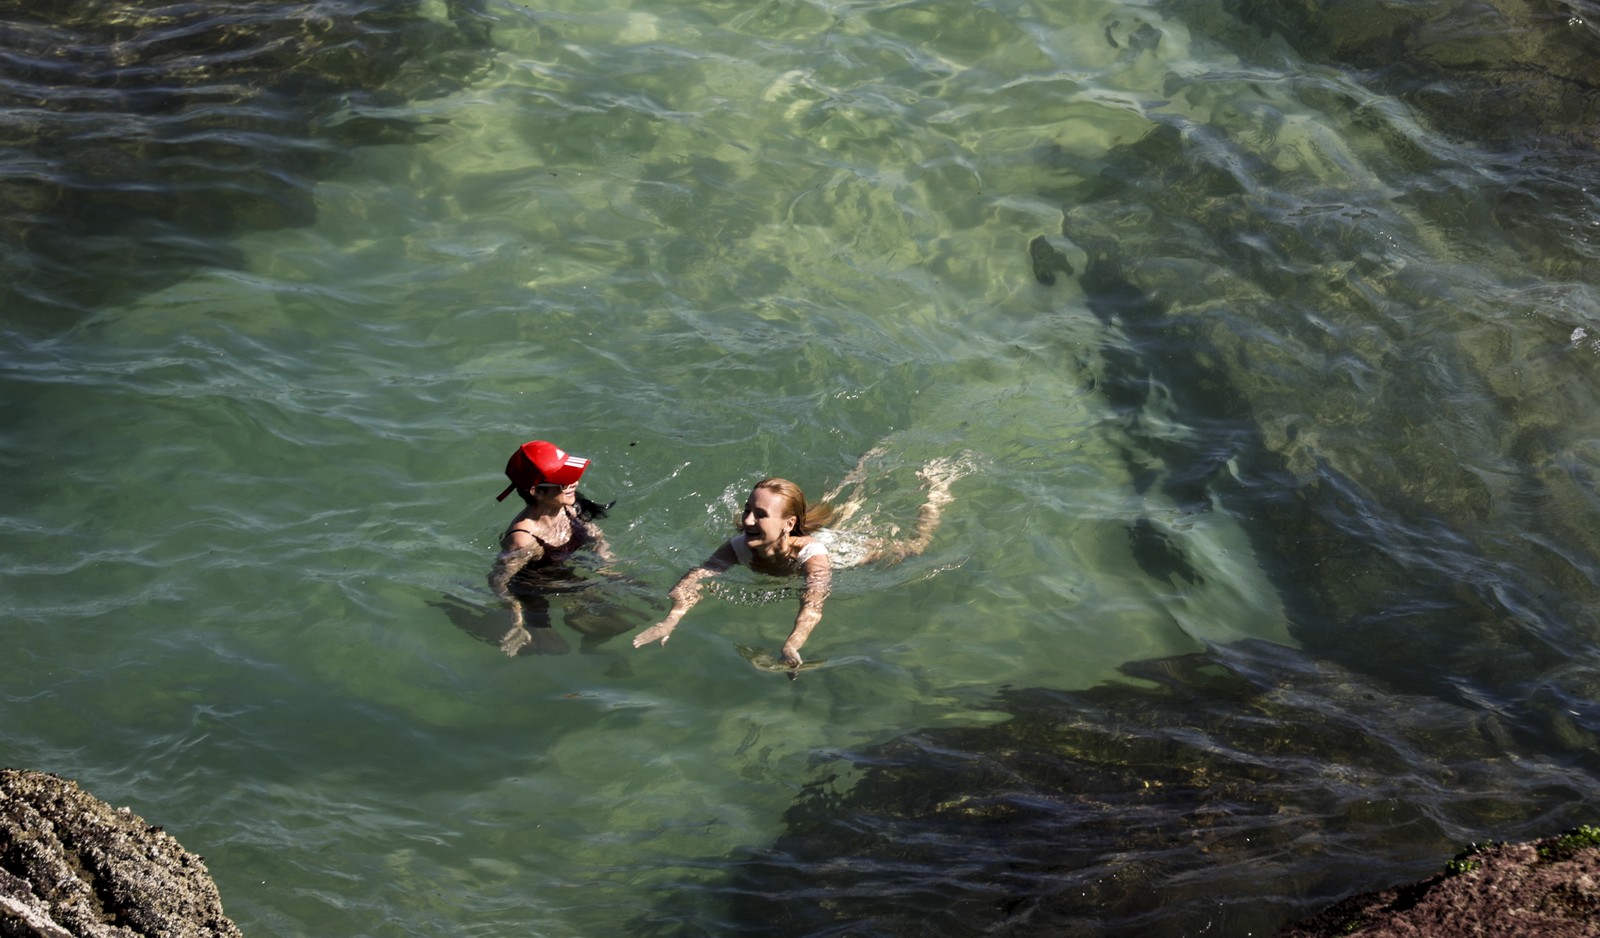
(512, 641)
(661, 631)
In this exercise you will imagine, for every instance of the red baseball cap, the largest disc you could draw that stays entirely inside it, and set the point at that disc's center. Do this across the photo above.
(540, 461)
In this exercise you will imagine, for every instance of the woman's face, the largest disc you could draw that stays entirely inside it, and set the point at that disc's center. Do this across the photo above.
(765, 521)
(550, 495)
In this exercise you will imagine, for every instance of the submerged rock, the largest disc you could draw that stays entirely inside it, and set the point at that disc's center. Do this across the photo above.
(1546, 889)
(1494, 71)
(71, 865)
(1220, 793)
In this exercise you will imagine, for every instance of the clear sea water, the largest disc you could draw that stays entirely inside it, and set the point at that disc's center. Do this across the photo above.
(269, 337)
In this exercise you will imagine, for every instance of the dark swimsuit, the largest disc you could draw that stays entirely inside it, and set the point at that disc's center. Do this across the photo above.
(550, 573)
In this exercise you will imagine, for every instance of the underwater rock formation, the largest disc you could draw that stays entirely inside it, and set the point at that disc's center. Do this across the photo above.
(1225, 296)
(1375, 548)
(1546, 889)
(1514, 78)
(1219, 793)
(71, 866)
(1515, 68)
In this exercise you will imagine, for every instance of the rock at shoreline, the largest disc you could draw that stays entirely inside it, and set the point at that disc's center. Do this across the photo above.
(1546, 889)
(71, 866)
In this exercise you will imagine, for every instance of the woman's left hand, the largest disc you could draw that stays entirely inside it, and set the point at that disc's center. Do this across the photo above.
(661, 631)
(791, 656)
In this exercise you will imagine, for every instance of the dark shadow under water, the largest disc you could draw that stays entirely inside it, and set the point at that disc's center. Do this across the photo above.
(1222, 793)
(138, 137)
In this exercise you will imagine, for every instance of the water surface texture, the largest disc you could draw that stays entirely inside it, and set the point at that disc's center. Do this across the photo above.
(1271, 329)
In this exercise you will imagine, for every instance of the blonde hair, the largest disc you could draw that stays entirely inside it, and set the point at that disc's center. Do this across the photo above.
(807, 518)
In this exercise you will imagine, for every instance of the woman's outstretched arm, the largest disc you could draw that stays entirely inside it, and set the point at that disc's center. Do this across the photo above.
(819, 581)
(685, 595)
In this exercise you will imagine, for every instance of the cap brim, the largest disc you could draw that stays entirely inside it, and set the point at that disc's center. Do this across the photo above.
(509, 489)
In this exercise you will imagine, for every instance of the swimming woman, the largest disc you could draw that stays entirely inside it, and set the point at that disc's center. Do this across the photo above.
(555, 524)
(780, 535)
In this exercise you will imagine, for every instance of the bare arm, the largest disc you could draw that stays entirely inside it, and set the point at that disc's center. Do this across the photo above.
(819, 581)
(518, 549)
(598, 542)
(685, 594)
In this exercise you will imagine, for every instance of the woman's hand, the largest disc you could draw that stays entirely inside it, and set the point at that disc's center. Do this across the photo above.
(512, 641)
(660, 631)
(791, 656)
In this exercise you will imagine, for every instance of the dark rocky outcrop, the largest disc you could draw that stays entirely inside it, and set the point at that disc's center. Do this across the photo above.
(71, 865)
(1546, 889)
(1221, 793)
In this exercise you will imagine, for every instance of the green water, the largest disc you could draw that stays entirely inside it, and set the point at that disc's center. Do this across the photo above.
(249, 513)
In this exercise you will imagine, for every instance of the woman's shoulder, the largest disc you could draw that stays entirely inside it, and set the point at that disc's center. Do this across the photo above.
(812, 546)
(517, 538)
(516, 533)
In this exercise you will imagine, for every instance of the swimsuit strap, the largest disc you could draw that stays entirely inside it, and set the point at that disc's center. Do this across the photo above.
(576, 524)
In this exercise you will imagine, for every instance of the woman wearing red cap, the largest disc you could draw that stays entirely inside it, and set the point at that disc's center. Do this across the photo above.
(554, 524)
(780, 535)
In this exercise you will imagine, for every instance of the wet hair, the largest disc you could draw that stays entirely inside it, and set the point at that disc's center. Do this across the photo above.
(809, 517)
(588, 509)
